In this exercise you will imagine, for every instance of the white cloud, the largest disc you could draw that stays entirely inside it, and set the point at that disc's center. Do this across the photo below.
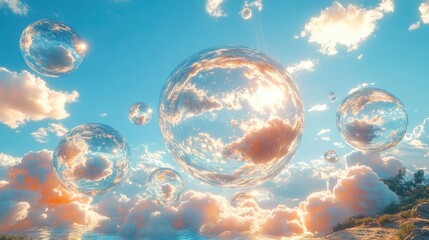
(213, 8)
(360, 56)
(42, 134)
(338, 25)
(25, 97)
(16, 6)
(383, 165)
(103, 115)
(318, 108)
(304, 65)
(424, 12)
(339, 144)
(7, 160)
(323, 131)
(254, 4)
(414, 26)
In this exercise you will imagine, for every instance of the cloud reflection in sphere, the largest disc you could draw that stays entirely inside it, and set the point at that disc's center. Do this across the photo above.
(231, 116)
(244, 199)
(372, 119)
(91, 158)
(331, 156)
(52, 48)
(140, 113)
(164, 186)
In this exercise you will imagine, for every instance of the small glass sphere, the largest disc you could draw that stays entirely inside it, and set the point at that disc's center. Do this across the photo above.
(91, 158)
(231, 116)
(246, 13)
(244, 199)
(165, 186)
(372, 119)
(52, 48)
(331, 156)
(332, 97)
(140, 113)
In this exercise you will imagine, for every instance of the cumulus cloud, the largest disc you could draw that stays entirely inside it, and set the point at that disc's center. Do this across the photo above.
(25, 97)
(254, 4)
(213, 8)
(7, 160)
(362, 132)
(318, 108)
(36, 199)
(94, 168)
(424, 12)
(16, 6)
(359, 192)
(348, 26)
(384, 165)
(304, 65)
(41, 134)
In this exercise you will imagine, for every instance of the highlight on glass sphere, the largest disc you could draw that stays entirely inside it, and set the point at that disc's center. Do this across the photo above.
(140, 113)
(52, 48)
(331, 156)
(91, 158)
(372, 119)
(231, 116)
(246, 13)
(164, 186)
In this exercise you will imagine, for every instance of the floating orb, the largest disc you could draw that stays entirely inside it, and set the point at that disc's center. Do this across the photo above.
(165, 186)
(244, 199)
(331, 156)
(52, 48)
(372, 119)
(91, 158)
(140, 113)
(231, 116)
(332, 97)
(246, 13)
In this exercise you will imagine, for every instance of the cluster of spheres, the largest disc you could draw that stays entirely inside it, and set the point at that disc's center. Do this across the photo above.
(372, 119)
(231, 116)
(140, 113)
(331, 156)
(246, 13)
(164, 186)
(91, 158)
(52, 48)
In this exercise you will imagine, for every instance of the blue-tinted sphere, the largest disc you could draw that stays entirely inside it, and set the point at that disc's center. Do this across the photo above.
(231, 116)
(52, 48)
(372, 119)
(165, 186)
(91, 158)
(139, 113)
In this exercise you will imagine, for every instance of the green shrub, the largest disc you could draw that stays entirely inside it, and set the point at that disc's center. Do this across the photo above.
(385, 218)
(406, 214)
(405, 230)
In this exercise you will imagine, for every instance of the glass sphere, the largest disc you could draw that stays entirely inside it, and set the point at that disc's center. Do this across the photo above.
(332, 97)
(331, 156)
(140, 113)
(231, 116)
(91, 158)
(52, 48)
(165, 186)
(372, 119)
(246, 13)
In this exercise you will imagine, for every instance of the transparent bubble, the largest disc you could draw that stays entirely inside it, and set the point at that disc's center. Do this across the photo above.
(331, 156)
(244, 199)
(231, 116)
(372, 119)
(246, 13)
(91, 158)
(164, 186)
(140, 113)
(52, 48)
(332, 97)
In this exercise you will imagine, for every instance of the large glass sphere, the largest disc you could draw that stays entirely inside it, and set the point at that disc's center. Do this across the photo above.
(52, 48)
(372, 119)
(164, 186)
(231, 116)
(91, 158)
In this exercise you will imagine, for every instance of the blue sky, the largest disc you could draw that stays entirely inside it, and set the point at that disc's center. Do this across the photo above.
(133, 46)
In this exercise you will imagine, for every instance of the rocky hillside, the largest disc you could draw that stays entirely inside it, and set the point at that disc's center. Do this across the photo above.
(412, 225)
